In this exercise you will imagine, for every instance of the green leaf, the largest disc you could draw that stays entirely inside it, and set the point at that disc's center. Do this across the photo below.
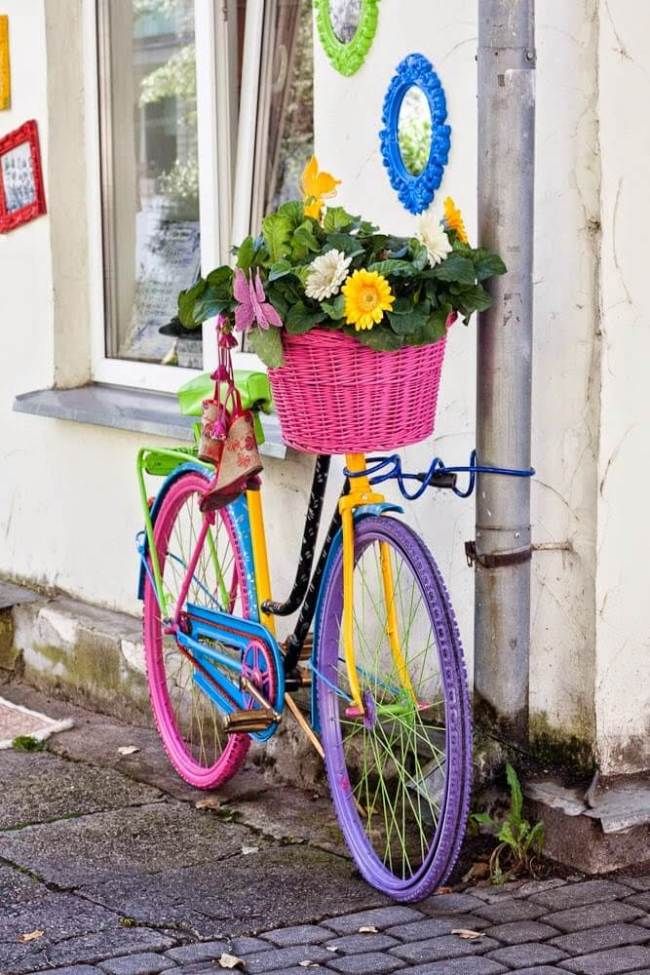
(474, 299)
(535, 839)
(304, 242)
(267, 344)
(483, 819)
(246, 253)
(487, 265)
(380, 338)
(395, 268)
(454, 268)
(436, 325)
(416, 318)
(209, 305)
(334, 309)
(276, 228)
(344, 242)
(280, 270)
(516, 795)
(186, 301)
(420, 255)
(294, 211)
(337, 218)
(221, 279)
(301, 319)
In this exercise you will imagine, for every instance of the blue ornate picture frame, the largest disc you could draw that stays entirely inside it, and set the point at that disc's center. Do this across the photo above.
(416, 192)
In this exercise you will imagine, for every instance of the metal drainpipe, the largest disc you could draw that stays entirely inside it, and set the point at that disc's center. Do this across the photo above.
(506, 145)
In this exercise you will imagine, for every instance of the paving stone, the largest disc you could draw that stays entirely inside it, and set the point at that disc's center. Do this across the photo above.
(201, 951)
(383, 917)
(576, 895)
(355, 944)
(636, 883)
(74, 970)
(292, 885)
(611, 962)
(518, 932)
(145, 963)
(541, 970)
(592, 915)
(434, 926)
(518, 956)
(443, 904)
(510, 909)
(294, 970)
(448, 946)
(366, 964)
(17, 889)
(122, 843)
(298, 934)
(473, 965)
(28, 797)
(16, 959)
(641, 900)
(609, 936)
(273, 959)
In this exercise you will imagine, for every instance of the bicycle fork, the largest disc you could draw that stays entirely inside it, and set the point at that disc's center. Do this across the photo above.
(361, 493)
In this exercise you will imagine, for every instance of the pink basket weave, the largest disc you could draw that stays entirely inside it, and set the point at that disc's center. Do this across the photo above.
(336, 396)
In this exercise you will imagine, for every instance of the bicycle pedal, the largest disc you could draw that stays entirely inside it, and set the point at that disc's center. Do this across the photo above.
(249, 721)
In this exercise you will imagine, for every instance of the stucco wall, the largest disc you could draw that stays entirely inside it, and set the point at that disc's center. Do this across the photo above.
(623, 644)
(68, 506)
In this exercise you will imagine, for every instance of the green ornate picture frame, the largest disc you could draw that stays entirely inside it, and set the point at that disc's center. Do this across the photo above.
(348, 57)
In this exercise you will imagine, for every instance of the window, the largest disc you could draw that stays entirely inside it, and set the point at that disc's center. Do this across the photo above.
(205, 120)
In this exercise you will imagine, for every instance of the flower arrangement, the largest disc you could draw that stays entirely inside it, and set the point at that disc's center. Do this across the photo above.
(318, 266)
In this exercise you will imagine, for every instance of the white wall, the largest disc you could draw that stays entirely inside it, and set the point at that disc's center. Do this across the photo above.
(623, 630)
(68, 504)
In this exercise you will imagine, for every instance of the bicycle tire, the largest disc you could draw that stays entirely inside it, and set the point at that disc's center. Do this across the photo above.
(347, 782)
(229, 751)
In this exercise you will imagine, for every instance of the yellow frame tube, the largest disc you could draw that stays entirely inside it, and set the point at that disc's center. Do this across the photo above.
(361, 493)
(260, 555)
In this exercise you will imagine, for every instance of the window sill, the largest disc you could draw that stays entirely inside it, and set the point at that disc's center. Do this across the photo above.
(125, 408)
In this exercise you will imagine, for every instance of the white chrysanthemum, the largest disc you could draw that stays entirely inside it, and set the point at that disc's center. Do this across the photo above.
(432, 235)
(326, 274)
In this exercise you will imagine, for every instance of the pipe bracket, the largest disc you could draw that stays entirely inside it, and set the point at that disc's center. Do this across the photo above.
(496, 560)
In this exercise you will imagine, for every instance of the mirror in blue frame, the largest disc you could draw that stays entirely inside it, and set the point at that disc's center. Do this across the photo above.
(415, 139)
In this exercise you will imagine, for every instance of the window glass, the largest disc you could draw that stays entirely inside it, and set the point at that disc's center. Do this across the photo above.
(150, 174)
(285, 130)
(150, 163)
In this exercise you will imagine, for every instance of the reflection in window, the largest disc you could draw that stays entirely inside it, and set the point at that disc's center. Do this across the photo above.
(150, 171)
(150, 165)
(285, 130)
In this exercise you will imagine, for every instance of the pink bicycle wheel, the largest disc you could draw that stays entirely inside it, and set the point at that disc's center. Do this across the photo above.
(190, 725)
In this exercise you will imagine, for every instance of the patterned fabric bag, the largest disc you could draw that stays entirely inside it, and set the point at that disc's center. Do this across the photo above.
(227, 434)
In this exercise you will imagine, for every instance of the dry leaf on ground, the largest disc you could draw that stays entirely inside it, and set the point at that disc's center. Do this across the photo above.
(30, 936)
(368, 929)
(128, 749)
(250, 849)
(309, 964)
(230, 961)
(466, 934)
(212, 802)
(477, 871)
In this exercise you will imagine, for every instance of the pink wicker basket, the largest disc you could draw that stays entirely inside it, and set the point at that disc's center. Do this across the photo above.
(336, 396)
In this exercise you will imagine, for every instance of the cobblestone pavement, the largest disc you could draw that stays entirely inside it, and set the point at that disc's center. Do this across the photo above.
(103, 872)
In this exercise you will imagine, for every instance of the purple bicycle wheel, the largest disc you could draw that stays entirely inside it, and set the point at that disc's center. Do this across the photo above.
(399, 771)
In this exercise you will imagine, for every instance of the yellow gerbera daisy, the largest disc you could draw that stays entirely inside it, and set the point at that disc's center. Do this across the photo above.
(316, 188)
(454, 220)
(367, 296)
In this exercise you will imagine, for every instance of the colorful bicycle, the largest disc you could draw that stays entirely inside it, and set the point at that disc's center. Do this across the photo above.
(390, 711)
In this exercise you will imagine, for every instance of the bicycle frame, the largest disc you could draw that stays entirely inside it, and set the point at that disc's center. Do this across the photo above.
(357, 494)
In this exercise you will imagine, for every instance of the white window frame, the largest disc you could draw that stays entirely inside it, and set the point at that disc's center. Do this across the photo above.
(217, 183)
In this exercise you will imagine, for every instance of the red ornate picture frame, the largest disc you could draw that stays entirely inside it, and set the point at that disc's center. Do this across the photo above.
(22, 197)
